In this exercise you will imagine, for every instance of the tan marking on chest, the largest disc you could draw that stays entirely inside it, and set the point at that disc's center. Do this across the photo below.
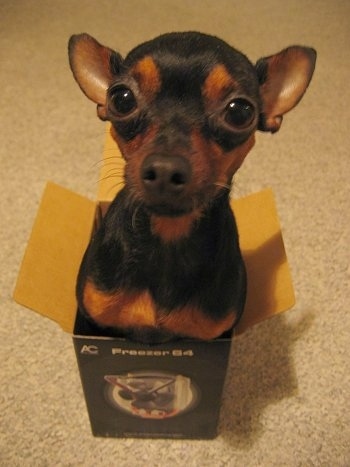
(130, 310)
(190, 321)
(121, 309)
(170, 229)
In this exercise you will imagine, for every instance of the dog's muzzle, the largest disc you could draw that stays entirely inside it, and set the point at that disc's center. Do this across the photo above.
(166, 182)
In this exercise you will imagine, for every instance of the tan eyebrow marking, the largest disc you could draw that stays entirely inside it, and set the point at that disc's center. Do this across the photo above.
(217, 83)
(148, 77)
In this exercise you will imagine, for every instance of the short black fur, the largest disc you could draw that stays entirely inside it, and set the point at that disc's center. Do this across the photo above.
(205, 269)
(190, 130)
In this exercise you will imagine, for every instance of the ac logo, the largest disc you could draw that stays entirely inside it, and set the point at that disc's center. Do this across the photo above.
(89, 350)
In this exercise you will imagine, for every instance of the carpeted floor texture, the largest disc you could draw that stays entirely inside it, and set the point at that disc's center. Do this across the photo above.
(286, 400)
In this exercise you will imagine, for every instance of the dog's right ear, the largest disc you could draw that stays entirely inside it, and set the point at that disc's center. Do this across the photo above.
(284, 78)
(94, 67)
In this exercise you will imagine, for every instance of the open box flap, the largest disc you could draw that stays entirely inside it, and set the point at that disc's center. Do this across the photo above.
(60, 234)
(270, 287)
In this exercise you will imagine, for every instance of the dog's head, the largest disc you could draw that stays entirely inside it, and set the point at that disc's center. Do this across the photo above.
(184, 108)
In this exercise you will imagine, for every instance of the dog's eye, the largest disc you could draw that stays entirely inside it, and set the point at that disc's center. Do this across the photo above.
(239, 113)
(123, 100)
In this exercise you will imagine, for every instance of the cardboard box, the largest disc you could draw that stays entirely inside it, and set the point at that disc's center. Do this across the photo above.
(169, 390)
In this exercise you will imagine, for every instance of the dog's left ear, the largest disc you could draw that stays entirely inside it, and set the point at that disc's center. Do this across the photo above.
(283, 79)
(94, 66)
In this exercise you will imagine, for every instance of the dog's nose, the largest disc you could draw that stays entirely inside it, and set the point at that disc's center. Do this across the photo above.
(165, 176)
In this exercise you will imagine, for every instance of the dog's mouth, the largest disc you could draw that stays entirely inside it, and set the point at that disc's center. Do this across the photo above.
(174, 204)
(167, 210)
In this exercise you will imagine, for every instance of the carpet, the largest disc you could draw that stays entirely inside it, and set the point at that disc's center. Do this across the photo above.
(286, 399)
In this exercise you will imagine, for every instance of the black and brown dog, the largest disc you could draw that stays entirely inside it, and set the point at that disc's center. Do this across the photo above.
(183, 108)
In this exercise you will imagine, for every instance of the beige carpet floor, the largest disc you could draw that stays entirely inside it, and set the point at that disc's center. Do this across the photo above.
(286, 400)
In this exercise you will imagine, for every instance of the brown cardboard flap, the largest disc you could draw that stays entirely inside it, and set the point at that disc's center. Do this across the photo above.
(112, 171)
(270, 288)
(60, 234)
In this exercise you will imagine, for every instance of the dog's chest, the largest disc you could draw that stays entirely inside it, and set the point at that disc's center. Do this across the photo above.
(130, 310)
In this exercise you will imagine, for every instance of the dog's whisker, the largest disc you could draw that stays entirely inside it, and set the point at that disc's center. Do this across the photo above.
(134, 216)
(223, 185)
(108, 177)
(114, 188)
(98, 163)
(111, 160)
(95, 164)
(105, 177)
(111, 151)
(118, 168)
(115, 171)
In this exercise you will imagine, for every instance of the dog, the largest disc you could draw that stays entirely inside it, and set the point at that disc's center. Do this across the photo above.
(184, 108)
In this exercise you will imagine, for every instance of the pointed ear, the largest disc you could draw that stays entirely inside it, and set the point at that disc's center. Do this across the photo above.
(283, 79)
(94, 67)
